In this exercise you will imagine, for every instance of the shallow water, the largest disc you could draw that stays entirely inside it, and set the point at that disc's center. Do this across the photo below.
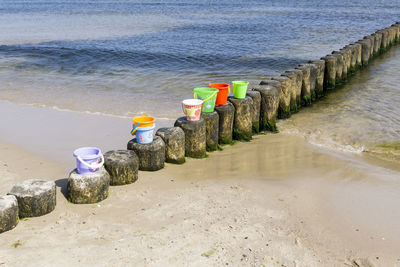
(143, 57)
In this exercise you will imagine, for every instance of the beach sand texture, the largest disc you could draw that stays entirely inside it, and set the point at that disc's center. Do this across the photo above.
(275, 201)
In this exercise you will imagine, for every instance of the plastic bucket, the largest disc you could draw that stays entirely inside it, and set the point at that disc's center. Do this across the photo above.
(224, 91)
(88, 159)
(239, 89)
(144, 135)
(208, 95)
(192, 109)
(142, 121)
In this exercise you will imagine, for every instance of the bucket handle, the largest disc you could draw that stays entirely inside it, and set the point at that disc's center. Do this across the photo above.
(93, 165)
(208, 98)
(135, 128)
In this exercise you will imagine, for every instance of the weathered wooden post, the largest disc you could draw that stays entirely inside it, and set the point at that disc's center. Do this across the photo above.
(151, 156)
(306, 84)
(377, 43)
(195, 137)
(296, 95)
(174, 140)
(88, 188)
(36, 197)
(330, 72)
(255, 111)
(319, 85)
(8, 213)
(339, 67)
(284, 103)
(366, 48)
(212, 127)
(293, 104)
(242, 123)
(226, 115)
(270, 98)
(122, 166)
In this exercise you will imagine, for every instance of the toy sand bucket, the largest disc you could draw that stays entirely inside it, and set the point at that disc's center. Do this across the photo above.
(88, 160)
(224, 91)
(192, 109)
(239, 89)
(144, 135)
(142, 121)
(208, 95)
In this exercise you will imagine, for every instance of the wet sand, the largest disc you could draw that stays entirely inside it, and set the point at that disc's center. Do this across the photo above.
(275, 201)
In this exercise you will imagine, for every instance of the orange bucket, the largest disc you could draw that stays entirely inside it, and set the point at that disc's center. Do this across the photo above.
(144, 121)
(223, 92)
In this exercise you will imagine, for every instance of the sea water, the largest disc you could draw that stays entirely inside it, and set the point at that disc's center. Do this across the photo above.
(130, 57)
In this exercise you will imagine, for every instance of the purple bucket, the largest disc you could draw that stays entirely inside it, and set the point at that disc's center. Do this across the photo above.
(88, 160)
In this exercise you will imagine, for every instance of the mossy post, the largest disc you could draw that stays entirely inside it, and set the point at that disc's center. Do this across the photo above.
(174, 140)
(293, 101)
(36, 197)
(255, 111)
(226, 115)
(372, 44)
(284, 101)
(242, 123)
(319, 85)
(298, 85)
(340, 67)
(89, 188)
(212, 127)
(313, 80)
(8, 213)
(366, 48)
(270, 96)
(330, 72)
(385, 37)
(195, 137)
(354, 58)
(151, 156)
(306, 84)
(346, 52)
(377, 43)
(122, 165)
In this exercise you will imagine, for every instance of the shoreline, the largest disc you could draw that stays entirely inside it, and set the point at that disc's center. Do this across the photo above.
(278, 190)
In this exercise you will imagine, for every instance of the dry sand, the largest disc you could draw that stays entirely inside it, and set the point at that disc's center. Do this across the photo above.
(276, 201)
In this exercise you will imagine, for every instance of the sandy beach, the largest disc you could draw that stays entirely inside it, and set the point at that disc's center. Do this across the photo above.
(275, 201)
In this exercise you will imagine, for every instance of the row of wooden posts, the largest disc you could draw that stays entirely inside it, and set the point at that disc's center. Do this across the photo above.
(274, 98)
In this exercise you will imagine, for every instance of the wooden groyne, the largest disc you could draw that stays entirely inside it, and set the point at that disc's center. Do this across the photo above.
(274, 98)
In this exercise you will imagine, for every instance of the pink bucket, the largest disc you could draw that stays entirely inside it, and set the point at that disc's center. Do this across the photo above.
(192, 109)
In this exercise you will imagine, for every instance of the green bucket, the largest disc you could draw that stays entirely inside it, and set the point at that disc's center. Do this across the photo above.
(208, 95)
(239, 89)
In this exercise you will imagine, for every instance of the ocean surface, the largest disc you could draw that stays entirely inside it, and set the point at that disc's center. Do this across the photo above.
(124, 58)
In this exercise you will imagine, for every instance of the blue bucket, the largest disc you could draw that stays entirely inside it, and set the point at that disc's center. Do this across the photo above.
(88, 160)
(144, 135)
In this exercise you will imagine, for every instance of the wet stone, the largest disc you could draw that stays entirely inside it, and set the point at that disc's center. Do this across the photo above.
(297, 86)
(242, 123)
(88, 188)
(284, 101)
(195, 137)
(212, 127)
(330, 72)
(270, 96)
(8, 213)
(319, 84)
(226, 115)
(151, 156)
(36, 197)
(255, 110)
(174, 139)
(122, 166)
(306, 84)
